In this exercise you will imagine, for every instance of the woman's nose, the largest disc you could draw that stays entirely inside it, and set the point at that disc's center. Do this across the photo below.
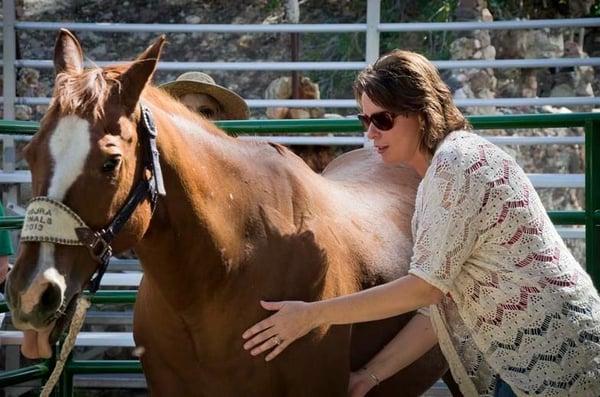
(372, 132)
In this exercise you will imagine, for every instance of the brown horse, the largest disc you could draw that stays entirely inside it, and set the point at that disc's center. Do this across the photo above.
(239, 222)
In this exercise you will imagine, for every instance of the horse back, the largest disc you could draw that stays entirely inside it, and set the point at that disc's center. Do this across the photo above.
(380, 200)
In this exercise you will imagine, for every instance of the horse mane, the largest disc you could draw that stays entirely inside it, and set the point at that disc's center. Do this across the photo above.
(85, 91)
(163, 100)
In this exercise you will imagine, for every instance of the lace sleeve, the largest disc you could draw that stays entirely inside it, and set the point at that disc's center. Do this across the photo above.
(444, 232)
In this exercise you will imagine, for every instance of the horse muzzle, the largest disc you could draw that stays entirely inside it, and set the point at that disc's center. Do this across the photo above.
(43, 322)
(39, 304)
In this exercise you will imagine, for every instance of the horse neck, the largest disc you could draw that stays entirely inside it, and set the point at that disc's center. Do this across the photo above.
(197, 236)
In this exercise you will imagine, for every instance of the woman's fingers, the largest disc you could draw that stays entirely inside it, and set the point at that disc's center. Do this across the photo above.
(280, 347)
(272, 305)
(258, 327)
(359, 385)
(270, 343)
(261, 337)
(275, 333)
(266, 323)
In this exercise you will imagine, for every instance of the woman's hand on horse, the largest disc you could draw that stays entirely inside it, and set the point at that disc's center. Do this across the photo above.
(359, 384)
(292, 320)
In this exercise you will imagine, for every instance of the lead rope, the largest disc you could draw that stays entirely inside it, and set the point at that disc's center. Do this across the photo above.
(82, 306)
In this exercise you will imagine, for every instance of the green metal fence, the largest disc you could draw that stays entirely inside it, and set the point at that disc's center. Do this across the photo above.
(590, 217)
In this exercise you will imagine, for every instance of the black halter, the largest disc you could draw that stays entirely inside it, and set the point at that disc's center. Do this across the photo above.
(98, 242)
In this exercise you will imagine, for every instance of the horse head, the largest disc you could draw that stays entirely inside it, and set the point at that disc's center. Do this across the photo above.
(85, 161)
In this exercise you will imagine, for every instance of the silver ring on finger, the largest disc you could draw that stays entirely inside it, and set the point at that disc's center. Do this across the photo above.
(277, 340)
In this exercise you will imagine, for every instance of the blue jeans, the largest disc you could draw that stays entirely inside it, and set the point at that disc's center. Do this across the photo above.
(503, 389)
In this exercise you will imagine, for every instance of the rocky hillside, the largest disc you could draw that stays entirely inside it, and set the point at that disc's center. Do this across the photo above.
(314, 47)
(190, 47)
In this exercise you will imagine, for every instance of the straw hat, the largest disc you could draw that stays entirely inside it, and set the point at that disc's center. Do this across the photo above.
(234, 107)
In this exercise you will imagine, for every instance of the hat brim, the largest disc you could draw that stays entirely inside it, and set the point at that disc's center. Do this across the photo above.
(234, 107)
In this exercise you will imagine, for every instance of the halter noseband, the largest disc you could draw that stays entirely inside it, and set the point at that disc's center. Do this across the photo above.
(38, 228)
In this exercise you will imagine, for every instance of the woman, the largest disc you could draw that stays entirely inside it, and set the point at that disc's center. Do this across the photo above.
(201, 94)
(512, 310)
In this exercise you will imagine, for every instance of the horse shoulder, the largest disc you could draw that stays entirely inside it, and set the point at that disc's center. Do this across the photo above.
(292, 253)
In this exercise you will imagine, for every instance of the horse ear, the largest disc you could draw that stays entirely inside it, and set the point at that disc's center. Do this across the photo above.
(68, 55)
(135, 78)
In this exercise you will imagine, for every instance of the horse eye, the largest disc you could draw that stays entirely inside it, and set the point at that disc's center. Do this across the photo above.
(111, 164)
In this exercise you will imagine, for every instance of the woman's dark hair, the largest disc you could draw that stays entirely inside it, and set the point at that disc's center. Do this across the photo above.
(407, 83)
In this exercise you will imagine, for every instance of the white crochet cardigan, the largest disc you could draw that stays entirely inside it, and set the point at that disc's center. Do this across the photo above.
(517, 303)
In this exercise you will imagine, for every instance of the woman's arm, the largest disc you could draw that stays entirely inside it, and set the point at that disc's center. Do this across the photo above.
(295, 319)
(412, 342)
(387, 300)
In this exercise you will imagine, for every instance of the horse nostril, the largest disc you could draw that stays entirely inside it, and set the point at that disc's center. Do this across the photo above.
(50, 299)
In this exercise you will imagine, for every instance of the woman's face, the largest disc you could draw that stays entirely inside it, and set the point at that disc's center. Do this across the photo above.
(203, 104)
(400, 144)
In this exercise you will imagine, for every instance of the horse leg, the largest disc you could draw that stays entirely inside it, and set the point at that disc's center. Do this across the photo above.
(163, 355)
(414, 380)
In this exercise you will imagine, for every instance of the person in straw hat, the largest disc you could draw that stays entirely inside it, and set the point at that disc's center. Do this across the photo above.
(199, 92)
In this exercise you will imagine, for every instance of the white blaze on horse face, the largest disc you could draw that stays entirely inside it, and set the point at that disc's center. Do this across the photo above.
(69, 147)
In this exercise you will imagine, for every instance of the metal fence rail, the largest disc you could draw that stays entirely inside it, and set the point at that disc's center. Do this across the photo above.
(291, 66)
(351, 103)
(310, 28)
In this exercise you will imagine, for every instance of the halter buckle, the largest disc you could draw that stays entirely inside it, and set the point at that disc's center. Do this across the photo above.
(96, 244)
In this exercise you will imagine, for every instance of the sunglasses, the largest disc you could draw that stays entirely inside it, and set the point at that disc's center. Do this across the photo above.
(384, 120)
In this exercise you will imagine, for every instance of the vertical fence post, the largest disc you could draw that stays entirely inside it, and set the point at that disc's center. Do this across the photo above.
(65, 384)
(8, 58)
(9, 91)
(8, 165)
(372, 37)
(592, 199)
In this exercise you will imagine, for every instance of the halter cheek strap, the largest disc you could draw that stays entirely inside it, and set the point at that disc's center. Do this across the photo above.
(149, 128)
(48, 220)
